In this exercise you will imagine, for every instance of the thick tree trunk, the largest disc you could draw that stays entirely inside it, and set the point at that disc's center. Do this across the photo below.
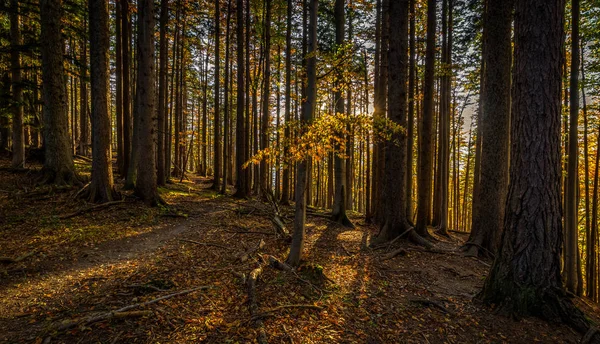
(525, 277)
(119, 88)
(101, 188)
(394, 198)
(425, 137)
(308, 109)
(18, 133)
(226, 137)
(58, 163)
(493, 184)
(411, 110)
(145, 187)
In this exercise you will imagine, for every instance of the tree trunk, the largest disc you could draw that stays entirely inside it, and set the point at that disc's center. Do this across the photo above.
(394, 199)
(162, 93)
(338, 213)
(411, 110)
(285, 193)
(525, 277)
(217, 119)
(18, 133)
(58, 163)
(240, 127)
(145, 187)
(308, 109)
(226, 155)
(126, 87)
(494, 131)
(266, 93)
(571, 270)
(101, 188)
(425, 137)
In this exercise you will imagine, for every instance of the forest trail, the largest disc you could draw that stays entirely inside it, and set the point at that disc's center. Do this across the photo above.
(126, 254)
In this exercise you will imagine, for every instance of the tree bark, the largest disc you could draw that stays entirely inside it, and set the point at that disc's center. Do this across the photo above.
(145, 187)
(240, 127)
(308, 108)
(18, 132)
(571, 269)
(162, 93)
(101, 188)
(525, 277)
(58, 163)
(425, 137)
(217, 119)
(494, 131)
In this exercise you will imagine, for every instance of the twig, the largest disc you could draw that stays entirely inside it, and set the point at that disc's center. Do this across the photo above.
(426, 302)
(204, 243)
(117, 313)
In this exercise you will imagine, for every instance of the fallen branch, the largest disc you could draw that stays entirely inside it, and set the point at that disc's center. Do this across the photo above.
(8, 260)
(125, 311)
(89, 209)
(246, 255)
(204, 243)
(430, 303)
(253, 305)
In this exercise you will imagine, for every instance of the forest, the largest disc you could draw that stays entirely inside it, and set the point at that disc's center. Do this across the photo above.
(299, 171)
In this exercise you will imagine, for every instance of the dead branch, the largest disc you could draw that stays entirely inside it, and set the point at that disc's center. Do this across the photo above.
(246, 255)
(204, 243)
(430, 303)
(8, 260)
(253, 305)
(119, 312)
(92, 208)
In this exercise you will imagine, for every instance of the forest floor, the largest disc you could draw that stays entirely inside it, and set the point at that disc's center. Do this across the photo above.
(75, 262)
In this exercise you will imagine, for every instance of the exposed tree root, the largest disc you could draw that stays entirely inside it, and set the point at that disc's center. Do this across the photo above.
(398, 252)
(270, 312)
(64, 177)
(431, 303)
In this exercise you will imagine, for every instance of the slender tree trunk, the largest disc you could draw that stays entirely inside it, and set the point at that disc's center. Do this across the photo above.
(266, 95)
(226, 155)
(339, 202)
(571, 270)
(217, 119)
(285, 193)
(83, 105)
(411, 110)
(308, 109)
(119, 87)
(162, 92)
(18, 133)
(425, 138)
(240, 127)
(126, 57)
